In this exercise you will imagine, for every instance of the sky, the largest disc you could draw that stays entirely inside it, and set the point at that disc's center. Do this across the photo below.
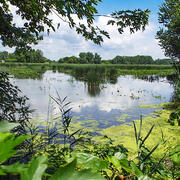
(65, 41)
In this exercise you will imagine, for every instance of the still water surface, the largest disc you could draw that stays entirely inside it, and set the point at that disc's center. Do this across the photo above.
(96, 104)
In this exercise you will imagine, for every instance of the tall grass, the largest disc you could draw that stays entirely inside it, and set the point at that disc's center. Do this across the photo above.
(33, 69)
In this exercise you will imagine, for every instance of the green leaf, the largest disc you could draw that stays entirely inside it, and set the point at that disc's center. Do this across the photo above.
(89, 161)
(69, 172)
(155, 147)
(140, 129)
(15, 168)
(5, 126)
(2, 173)
(114, 161)
(35, 170)
(176, 159)
(124, 163)
(178, 107)
(135, 132)
(135, 170)
(8, 142)
(143, 141)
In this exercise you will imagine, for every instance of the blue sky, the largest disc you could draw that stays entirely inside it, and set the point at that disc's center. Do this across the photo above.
(65, 42)
(107, 6)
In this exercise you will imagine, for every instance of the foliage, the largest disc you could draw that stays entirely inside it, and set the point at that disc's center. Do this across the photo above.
(169, 36)
(146, 164)
(174, 116)
(90, 58)
(175, 156)
(13, 107)
(35, 169)
(92, 161)
(32, 56)
(84, 58)
(36, 56)
(31, 171)
(35, 16)
(69, 172)
(163, 61)
(132, 60)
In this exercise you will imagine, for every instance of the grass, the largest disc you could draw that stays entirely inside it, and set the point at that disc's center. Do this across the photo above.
(35, 70)
(23, 72)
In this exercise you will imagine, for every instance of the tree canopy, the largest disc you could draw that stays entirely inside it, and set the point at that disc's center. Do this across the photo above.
(84, 58)
(169, 36)
(90, 58)
(31, 56)
(36, 19)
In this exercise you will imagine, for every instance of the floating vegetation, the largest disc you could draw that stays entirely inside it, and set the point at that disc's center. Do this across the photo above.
(163, 132)
(154, 105)
(112, 71)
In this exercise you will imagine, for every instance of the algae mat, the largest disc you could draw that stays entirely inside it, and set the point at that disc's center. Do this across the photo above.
(163, 132)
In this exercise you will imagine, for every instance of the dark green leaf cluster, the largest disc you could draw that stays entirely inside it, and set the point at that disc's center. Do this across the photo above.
(174, 116)
(133, 60)
(90, 58)
(13, 107)
(169, 36)
(35, 18)
(135, 20)
(31, 56)
(84, 58)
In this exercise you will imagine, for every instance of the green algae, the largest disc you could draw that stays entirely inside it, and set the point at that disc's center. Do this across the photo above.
(124, 133)
(123, 117)
(162, 105)
(162, 132)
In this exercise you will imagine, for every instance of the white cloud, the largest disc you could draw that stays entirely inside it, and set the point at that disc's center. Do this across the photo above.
(66, 42)
(126, 94)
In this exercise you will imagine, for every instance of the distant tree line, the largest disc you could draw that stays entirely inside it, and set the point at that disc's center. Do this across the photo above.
(90, 58)
(36, 56)
(32, 56)
(138, 60)
(84, 58)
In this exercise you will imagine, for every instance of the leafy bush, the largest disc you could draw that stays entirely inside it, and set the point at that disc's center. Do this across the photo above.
(13, 106)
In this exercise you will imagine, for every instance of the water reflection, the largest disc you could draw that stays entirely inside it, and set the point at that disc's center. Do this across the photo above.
(95, 79)
(97, 102)
(93, 88)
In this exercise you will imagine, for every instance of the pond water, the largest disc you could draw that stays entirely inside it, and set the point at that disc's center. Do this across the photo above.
(97, 105)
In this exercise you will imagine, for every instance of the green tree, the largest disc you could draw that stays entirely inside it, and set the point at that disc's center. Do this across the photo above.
(118, 60)
(61, 60)
(82, 56)
(97, 59)
(163, 61)
(169, 36)
(90, 57)
(31, 56)
(35, 15)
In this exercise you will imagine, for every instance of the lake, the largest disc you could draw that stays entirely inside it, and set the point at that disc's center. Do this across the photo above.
(95, 104)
